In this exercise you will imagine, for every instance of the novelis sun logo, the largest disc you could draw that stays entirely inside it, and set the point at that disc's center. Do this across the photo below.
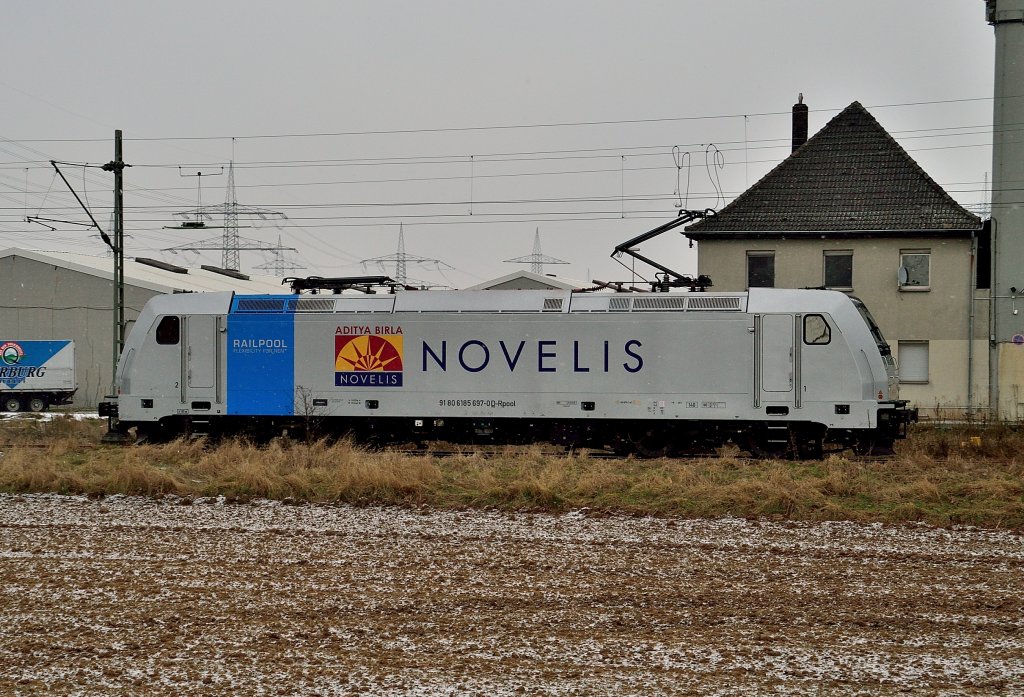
(11, 353)
(368, 360)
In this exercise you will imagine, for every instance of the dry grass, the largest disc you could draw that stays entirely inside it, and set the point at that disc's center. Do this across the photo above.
(943, 476)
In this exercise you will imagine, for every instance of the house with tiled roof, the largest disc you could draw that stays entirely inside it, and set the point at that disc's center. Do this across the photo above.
(851, 210)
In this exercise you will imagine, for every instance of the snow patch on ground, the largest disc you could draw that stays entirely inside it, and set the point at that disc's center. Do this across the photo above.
(126, 595)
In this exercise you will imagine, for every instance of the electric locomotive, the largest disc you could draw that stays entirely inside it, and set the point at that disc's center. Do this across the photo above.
(778, 372)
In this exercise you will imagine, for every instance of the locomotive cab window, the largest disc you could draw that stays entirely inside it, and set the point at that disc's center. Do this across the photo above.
(816, 330)
(168, 332)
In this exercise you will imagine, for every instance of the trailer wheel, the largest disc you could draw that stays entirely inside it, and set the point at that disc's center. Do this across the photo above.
(37, 404)
(12, 404)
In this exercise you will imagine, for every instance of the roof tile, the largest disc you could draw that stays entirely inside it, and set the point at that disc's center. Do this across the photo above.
(851, 176)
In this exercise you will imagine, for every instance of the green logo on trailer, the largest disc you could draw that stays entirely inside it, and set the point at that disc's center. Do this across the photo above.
(11, 353)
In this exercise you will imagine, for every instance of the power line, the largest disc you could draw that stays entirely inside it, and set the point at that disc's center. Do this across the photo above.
(495, 127)
(463, 177)
(536, 155)
(639, 197)
(531, 209)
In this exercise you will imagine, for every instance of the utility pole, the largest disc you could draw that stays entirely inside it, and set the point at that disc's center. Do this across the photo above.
(117, 167)
(116, 246)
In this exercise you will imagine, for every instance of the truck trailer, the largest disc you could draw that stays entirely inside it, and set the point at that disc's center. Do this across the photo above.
(35, 375)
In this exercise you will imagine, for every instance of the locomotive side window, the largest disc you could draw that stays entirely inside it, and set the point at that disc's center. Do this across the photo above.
(168, 332)
(816, 330)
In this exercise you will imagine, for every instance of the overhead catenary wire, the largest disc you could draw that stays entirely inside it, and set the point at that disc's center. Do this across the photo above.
(535, 203)
(498, 127)
(527, 165)
(666, 197)
(165, 194)
(531, 155)
(565, 172)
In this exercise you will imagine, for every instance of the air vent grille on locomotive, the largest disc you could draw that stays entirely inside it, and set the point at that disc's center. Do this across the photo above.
(669, 303)
(315, 305)
(265, 305)
(704, 302)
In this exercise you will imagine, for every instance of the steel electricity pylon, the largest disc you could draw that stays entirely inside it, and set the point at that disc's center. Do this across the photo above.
(279, 265)
(401, 260)
(230, 243)
(537, 260)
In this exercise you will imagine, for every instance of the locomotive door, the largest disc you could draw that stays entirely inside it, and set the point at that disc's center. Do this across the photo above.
(775, 360)
(201, 358)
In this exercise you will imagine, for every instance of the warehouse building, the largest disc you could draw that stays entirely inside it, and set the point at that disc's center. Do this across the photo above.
(51, 295)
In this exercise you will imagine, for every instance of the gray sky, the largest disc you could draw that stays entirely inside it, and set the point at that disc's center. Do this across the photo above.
(472, 123)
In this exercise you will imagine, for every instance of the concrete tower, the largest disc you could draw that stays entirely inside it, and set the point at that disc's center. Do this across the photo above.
(1006, 362)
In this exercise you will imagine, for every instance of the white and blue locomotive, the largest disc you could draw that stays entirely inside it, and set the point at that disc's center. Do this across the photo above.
(775, 371)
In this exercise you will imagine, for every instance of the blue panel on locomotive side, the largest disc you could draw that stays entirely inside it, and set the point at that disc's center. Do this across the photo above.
(261, 357)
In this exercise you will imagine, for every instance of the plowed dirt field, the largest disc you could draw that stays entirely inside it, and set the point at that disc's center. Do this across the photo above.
(137, 596)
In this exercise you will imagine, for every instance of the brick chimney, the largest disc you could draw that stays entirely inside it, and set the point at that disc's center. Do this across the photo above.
(799, 122)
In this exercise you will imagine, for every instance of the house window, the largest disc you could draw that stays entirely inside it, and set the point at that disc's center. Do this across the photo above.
(760, 269)
(915, 269)
(839, 270)
(913, 361)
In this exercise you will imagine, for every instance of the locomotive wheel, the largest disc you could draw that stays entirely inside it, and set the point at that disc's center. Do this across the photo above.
(152, 433)
(759, 446)
(12, 404)
(651, 442)
(811, 449)
(871, 447)
(566, 435)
